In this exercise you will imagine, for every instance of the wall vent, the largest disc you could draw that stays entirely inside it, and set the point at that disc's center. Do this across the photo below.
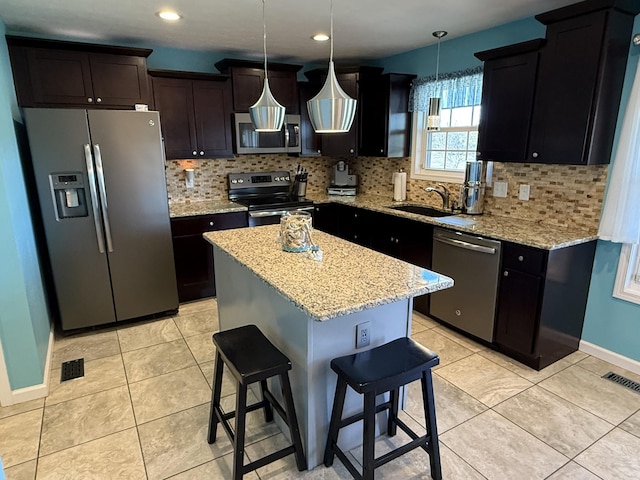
(72, 369)
(624, 381)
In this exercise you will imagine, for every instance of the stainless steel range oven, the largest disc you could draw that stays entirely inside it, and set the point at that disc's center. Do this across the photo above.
(267, 195)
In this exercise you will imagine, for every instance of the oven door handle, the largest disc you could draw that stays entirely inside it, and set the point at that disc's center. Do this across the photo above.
(274, 213)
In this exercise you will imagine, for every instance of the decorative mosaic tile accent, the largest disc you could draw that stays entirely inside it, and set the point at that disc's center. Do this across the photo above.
(210, 182)
(563, 195)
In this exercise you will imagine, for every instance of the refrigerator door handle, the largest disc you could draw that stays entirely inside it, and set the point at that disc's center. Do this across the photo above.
(103, 196)
(94, 197)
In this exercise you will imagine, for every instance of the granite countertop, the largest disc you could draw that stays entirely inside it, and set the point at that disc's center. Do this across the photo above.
(524, 232)
(348, 279)
(204, 207)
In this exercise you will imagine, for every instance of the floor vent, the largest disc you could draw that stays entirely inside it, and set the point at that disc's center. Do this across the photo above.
(624, 381)
(72, 369)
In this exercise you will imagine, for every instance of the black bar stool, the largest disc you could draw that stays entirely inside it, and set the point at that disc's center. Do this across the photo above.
(373, 372)
(252, 358)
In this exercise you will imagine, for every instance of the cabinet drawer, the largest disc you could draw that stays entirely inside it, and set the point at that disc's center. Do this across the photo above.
(206, 223)
(523, 259)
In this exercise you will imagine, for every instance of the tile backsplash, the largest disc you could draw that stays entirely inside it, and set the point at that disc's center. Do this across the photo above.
(565, 195)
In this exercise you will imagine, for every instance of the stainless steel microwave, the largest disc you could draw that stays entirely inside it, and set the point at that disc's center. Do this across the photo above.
(247, 140)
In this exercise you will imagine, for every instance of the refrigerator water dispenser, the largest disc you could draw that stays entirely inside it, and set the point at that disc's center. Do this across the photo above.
(69, 196)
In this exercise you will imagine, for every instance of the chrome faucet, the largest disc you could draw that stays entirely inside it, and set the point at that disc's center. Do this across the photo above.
(444, 194)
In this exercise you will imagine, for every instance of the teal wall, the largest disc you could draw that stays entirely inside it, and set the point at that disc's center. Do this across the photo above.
(457, 53)
(610, 323)
(24, 320)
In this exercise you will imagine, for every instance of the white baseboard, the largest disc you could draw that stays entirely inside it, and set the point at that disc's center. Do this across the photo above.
(35, 391)
(609, 356)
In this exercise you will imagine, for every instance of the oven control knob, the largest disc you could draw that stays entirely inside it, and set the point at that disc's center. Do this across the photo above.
(240, 180)
(286, 178)
(234, 181)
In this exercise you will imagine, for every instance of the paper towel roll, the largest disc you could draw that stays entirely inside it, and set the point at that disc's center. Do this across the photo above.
(403, 185)
(397, 187)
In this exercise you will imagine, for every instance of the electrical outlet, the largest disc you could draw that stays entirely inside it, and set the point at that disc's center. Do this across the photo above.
(500, 189)
(525, 190)
(363, 334)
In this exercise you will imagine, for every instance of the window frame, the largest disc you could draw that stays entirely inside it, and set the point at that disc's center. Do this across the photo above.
(627, 284)
(419, 144)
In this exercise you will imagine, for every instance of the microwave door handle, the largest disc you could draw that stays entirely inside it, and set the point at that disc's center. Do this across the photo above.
(286, 135)
(296, 135)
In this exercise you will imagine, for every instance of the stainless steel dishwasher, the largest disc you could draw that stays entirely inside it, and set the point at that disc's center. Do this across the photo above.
(473, 262)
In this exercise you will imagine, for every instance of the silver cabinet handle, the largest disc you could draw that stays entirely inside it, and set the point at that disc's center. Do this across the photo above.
(211, 224)
(94, 197)
(90, 100)
(506, 274)
(535, 155)
(351, 150)
(194, 153)
(521, 258)
(466, 245)
(99, 100)
(202, 153)
(103, 196)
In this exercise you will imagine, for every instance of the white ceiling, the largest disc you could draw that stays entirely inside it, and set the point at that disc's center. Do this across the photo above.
(362, 28)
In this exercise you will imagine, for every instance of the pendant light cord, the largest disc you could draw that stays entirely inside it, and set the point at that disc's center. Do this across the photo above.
(331, 33)
(437, 59)
(264, 38)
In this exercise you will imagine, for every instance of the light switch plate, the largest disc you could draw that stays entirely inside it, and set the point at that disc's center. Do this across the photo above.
(500, 189)
(525, 190)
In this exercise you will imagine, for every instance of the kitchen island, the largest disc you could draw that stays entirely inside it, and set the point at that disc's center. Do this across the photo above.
(310, 309)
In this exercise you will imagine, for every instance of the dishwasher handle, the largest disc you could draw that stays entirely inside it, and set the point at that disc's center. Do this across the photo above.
(466, 245)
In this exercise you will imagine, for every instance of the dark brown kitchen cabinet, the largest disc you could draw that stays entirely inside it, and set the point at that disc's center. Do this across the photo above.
(193, 255)
(325, 218)
(195, 111)
(382, 124)
(354, 225)
(385, 120)
(67, 74)
(310, 141)
(576, 92)
(508, 84)
(542, 299)
(247, 78)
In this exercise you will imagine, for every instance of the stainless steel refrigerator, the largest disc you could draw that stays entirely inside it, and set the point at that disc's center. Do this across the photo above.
(100, 177)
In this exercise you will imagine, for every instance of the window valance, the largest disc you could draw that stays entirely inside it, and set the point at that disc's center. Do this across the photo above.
(456, 89)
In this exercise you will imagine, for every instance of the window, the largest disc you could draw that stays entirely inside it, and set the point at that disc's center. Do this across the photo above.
(441, 155)
(627, 286)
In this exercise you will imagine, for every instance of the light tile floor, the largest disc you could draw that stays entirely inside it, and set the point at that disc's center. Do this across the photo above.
(141, 411)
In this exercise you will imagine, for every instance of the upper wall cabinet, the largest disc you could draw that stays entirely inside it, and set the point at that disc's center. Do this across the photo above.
(67, 74)
(247, 78)
(195, 111)
(573, 84)
(382, 126)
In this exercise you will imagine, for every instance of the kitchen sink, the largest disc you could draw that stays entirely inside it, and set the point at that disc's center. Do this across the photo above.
(420, 210)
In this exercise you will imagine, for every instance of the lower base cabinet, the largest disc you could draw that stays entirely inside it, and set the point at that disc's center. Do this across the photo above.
(193, 255)
(542, 298)
(397, 237)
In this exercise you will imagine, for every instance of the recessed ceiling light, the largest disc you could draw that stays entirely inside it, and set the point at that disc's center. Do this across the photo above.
(169, 15)
(320, 37)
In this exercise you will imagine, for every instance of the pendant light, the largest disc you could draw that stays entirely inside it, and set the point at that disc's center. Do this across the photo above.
(433, 118)
(331, 110)
(267, 114)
